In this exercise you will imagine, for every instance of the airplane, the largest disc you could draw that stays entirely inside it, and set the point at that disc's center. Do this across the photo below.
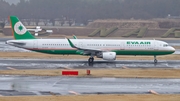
(106, 49)
(39, 29)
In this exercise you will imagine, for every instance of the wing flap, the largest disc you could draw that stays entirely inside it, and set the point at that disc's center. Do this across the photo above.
(84, 49)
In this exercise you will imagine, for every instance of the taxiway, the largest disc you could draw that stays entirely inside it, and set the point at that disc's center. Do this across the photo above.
(83, 64)
(34, 85)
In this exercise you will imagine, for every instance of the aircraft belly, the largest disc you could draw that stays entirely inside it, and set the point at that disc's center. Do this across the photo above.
(57, 51)
(142, 52)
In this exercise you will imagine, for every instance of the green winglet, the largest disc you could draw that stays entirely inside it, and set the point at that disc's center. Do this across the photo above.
(71, 44)
(74, 36)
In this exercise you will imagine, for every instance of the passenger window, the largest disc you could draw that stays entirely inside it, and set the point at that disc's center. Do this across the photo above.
(165, 45)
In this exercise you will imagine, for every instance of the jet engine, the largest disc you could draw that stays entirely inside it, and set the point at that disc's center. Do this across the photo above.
(109, 55)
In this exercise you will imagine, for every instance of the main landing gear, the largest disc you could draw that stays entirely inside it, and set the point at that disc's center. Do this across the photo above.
(90, 61)
(155, 60)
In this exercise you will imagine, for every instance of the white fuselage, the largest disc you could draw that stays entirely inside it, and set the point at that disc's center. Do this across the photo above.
(121, 47)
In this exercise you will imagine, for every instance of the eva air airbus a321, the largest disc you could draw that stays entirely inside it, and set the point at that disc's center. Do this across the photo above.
(106, 49)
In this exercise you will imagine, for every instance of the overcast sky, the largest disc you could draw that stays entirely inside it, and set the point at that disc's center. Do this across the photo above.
(12, 1)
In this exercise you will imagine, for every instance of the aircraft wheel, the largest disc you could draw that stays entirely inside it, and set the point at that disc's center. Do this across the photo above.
(91, 60)
(155, 60)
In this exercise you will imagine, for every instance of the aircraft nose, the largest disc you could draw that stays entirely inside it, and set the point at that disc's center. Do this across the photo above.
(173, 49)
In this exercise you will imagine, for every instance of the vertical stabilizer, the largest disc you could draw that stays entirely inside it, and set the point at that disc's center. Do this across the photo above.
(19, 31)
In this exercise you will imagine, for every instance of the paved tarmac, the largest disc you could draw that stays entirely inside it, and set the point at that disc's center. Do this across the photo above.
(83, 64)
(34, 85)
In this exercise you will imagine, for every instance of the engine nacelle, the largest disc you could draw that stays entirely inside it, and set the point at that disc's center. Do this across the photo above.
(109, 55)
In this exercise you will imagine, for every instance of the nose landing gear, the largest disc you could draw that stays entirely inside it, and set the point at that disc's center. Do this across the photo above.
(155, 60)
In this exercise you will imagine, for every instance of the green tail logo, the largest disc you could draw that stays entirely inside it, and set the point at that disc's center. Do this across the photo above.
(19, 31)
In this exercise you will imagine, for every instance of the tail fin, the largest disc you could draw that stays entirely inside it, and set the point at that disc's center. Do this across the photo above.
(19, 31)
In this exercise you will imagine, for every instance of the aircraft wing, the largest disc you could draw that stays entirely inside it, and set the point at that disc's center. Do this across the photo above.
(84, 49)
(74, 36)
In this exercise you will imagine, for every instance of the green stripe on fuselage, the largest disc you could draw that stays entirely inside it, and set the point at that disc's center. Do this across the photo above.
(142, 52)
(58, 51)
(118, 52)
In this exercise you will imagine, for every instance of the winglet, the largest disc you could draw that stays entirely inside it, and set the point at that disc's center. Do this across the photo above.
(71, 44)
(74, 36)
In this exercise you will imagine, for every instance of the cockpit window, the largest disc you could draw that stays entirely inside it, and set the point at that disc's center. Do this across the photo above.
(165, 45)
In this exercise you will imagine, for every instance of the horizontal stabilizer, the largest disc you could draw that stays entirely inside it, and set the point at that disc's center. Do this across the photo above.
(15, 43)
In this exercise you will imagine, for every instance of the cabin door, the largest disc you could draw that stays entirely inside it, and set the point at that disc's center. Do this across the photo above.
(122, 45)
(156, 45)
(35, 44)
(80, 44)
